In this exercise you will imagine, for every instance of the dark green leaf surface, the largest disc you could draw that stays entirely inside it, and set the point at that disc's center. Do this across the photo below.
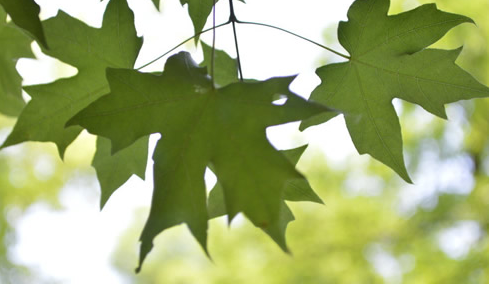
(114, 170)
(91, 51)
(226, 72)
(25, 14)
(390, 59)
(201, 126)
(14, 45)
(294, 190)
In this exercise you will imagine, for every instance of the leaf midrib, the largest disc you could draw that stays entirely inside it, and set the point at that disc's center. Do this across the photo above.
(372, 120)
(417, 77)
(401, 35)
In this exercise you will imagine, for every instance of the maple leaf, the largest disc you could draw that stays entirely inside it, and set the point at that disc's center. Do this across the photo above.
(389, 59)
(201, 126)
(25, 14)
(91, 51)
(15, 44)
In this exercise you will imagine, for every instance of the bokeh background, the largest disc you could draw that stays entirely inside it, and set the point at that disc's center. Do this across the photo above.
(374, 228)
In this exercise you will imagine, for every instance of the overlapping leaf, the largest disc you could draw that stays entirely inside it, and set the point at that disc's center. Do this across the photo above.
(294, 190)
(225, 67)
(25, 14)
(201, 126)
(91, 51)
(14, 45)
(389, 59)
(113, 170)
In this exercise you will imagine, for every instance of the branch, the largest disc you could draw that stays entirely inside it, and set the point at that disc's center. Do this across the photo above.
(234, 20)
(296, 35)
(180, 44)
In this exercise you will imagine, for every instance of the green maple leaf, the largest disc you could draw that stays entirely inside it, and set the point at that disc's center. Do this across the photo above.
(114, 170)
(25, 14)
(91, 51)
(389, 59)
(15, 44)
(201, 126)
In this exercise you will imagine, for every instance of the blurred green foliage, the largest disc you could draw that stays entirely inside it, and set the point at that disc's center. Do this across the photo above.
(29, 174)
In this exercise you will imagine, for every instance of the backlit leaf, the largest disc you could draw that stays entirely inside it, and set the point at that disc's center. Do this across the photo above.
(201, 126)
(295, 190)
(91, 51)
(113, 170)
(390, 59)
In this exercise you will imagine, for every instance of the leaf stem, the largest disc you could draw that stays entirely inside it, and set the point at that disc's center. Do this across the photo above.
(180, 44)
(296, 35)
(213, 55)
(234, 20)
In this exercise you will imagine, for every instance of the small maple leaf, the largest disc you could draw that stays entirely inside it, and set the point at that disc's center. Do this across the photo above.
(389, 59)
(201, 126)
(90, 50)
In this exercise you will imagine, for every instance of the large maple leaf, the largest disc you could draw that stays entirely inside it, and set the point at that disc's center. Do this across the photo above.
(14, 45)
(25, 14)
(91, 51)
(201, 126)
(389, 59)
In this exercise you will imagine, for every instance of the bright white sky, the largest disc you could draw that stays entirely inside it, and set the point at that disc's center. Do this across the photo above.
(66, 245)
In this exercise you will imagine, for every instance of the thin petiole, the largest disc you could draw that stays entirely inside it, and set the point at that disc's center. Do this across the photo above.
(180, 44)
(213, 55)
(296, 35)
(237, 52)
(234, 20)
